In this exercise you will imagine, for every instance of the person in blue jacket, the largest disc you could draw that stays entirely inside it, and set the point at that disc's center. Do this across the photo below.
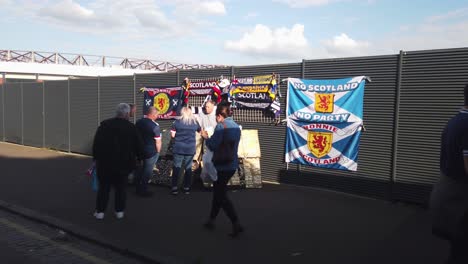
(227, 132)
(184, 133)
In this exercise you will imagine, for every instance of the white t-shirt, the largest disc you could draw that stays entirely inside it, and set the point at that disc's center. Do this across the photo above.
(207, 121)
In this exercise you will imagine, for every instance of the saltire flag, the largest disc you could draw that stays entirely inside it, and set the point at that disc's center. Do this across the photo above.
(324, 120)
(168, 101)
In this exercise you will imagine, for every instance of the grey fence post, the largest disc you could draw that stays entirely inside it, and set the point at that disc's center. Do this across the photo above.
(43, 115)
(178, 78)
(134, 96)
(98, 100)
(69, 114)
(233, 72)
(3, 104)
(22, 114)
(303, 69)
(396, 120)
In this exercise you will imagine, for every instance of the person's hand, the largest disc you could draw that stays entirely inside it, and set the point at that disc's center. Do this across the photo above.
(204, 134)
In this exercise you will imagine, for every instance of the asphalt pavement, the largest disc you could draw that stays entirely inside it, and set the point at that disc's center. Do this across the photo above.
(284, 224)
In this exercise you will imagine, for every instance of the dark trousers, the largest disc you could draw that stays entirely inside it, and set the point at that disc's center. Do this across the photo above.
(145, 173)
(459, 245)
(110, 178)
(220, 198)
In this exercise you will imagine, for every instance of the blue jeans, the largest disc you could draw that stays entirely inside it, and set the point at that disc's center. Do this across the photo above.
(187, 160)
(144, 174)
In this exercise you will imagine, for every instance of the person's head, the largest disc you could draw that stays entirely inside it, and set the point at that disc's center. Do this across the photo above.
(223, 110)
(209, 106)
(132, 110)
(152, 113)
(466, 96)
(123, 111)
(186, 116)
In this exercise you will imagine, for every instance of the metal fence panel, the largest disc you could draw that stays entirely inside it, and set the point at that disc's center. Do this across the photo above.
(205, 74)
(56, 115)
(13, 114)
(112, 91)
(33, 118)
(286, 70)
(431, 93)
(83, 114)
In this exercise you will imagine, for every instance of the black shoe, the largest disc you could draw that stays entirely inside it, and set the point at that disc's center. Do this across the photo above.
(236, 230)
(174, 192)
(186, 191)
(209, 225)
(146, 194)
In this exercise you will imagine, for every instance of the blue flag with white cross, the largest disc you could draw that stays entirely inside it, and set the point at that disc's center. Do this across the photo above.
(324, 120)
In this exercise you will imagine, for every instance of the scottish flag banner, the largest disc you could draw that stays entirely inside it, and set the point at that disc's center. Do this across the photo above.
(324, 120)
(168, 101)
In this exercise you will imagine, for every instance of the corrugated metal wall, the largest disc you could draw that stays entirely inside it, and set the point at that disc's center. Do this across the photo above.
(114, 90)
(56, 115)
(83, 114)
(13, 113)
(431, 93)
(33, 118)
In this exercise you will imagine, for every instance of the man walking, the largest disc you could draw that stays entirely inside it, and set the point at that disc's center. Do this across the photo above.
(449, 198)
(151, 135)
(115, 150)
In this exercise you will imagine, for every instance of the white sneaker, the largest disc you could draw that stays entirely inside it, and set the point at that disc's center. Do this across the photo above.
(119, 215)
(99, 216)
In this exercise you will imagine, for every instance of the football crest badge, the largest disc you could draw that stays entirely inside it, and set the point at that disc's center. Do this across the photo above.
(320, 143)
(324, 103)
(162, 103)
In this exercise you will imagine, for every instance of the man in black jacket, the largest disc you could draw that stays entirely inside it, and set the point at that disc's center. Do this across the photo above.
(449, 198)
(117, 145)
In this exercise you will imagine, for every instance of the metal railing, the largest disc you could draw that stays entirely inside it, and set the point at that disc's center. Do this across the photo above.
(98, 61)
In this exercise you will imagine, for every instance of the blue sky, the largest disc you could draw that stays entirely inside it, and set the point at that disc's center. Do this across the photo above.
(233, 32)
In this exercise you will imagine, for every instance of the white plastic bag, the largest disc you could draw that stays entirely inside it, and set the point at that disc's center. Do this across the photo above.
(209, 172)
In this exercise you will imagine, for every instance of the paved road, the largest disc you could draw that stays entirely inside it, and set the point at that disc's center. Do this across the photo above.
(285, 224)
(26, 242)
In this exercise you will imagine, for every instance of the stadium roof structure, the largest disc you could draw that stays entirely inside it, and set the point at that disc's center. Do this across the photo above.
(66, 64)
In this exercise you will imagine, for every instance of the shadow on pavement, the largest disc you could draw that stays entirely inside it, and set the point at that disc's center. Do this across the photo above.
(284, 224)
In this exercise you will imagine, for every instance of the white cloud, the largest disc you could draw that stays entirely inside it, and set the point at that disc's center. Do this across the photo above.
(305, 3)
(459, 13)
(152, 18)
(251, 15)
(316, 3)
(446, 30)
(196, 7)
(211, 8)
(69, 12)
(67, 9)
(343, 45)
(126, 16)
(263, 41)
